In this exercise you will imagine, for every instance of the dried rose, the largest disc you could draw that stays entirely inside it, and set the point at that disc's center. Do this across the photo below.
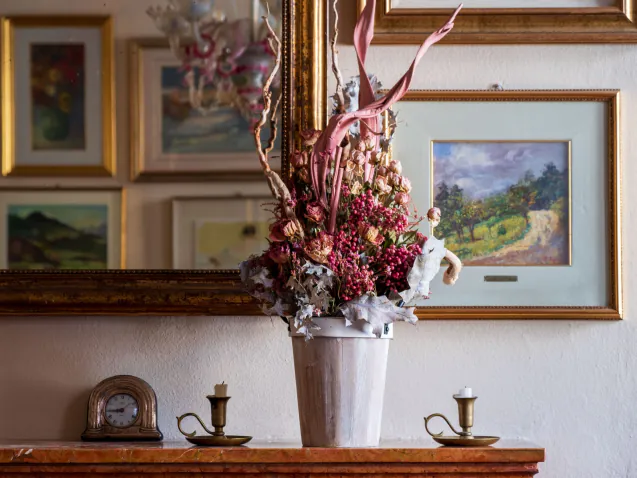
(403, 184)
(291, 229)
(376, 157)
(304, 175)
(393, 178)
(279, 253)
(298, 159)
(315, 213)
(358, 158)
(320, 247)
(276, 232)
(370, 142)
(360, 146)
(401, 198)
(381, 185)
(310, 136)
(434, 214)
(381, 171)
(370, 234)
(396, 167)
(356, 188)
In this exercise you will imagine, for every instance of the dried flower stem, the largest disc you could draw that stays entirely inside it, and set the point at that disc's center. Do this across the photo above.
(335, 69)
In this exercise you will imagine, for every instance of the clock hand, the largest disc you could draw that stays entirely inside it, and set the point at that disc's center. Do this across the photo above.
(116, 410)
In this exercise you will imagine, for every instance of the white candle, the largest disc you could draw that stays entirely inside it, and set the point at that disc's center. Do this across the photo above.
(465, 393)
(221, 390)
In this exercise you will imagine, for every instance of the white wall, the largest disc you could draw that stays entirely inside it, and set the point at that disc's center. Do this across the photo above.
(567, 386)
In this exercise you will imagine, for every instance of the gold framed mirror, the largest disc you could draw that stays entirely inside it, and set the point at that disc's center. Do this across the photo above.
(162, 291)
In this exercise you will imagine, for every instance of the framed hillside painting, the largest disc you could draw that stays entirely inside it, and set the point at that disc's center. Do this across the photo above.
(61, 229)
(58, 103)
(507, 21)
(528, 186)
(171, 140)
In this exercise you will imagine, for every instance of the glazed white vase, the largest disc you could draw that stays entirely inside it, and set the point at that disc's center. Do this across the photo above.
(340, 383)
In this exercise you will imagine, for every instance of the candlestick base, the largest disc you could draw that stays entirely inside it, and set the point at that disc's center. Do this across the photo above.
(466, 441)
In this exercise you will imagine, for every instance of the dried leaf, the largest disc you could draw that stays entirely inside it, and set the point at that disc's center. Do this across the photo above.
(425, 268)
(279, 309)
(263, 277)
(377, 311)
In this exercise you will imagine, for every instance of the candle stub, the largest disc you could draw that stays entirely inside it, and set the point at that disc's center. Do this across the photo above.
(221, 390)
(465, 393)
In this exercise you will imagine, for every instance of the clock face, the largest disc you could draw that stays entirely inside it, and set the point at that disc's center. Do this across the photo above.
(121, 410)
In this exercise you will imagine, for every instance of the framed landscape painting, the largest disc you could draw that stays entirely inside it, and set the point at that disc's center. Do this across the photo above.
(528, 184)
(68, 229)
(511, 201)
(218, 233)
(507, 21)
(55, 70)
(171, 140)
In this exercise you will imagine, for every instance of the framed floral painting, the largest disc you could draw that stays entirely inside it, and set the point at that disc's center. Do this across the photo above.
(55, 70)
(61, 229)
(507, 21)
(218, 232)
(528, 185)
(171, 140)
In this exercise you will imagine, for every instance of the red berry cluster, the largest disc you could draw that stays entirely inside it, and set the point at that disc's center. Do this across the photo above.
(394, 264)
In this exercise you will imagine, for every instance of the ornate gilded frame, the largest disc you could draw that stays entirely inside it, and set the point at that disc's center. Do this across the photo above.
(7, 72)
(614, 308)
(184, 292)
(615, 24)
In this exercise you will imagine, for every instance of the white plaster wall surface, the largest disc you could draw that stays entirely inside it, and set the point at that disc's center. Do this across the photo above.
(567, 386)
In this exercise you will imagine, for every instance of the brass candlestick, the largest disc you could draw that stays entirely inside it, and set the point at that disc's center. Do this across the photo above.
(465, 419)
(218, 409)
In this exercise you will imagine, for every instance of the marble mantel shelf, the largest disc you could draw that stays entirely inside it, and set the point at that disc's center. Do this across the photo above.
(399, 458)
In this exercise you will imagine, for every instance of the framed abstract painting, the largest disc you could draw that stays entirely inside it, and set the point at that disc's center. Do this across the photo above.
(61, 229)
(218, 232)
(507, 21)
(171, 140)
(55, 70)
(528, 184)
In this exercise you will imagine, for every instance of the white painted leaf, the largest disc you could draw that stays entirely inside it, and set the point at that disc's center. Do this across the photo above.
(377, 311)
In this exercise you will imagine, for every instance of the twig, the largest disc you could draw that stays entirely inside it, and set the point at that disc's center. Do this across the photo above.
(275, 44)
(337, 72)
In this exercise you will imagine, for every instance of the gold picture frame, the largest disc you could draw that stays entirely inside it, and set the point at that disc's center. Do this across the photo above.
(10, 165)
(612, 24)
(613, 309)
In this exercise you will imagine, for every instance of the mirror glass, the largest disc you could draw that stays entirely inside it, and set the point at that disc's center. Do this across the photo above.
(128, 136)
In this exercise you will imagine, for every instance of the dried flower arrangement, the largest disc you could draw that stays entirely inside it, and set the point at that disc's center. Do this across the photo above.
(343, 241)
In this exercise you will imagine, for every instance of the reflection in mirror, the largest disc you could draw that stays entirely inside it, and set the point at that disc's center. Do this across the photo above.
(177, 189)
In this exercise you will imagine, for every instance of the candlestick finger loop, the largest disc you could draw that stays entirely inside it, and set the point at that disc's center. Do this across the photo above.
(190, 435)
(439, 415)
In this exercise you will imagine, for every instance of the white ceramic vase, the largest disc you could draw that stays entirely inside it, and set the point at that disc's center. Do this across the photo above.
(340, 383)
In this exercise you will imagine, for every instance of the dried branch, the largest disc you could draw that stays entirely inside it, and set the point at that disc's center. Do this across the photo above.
(337, 72)
(275, 44)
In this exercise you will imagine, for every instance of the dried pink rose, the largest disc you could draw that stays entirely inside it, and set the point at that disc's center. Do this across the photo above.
(291, 229)
(356, 188)
(393, 178)
(298, 159)
(370, 142)
(381, 171)
(276, 232)
(403, 184)
(358, 158)
(320, 247)
(279, 253)
(315, 213)
(310, 136)
(434, 214)
(396, 167)
(370, 233)
(401, 198)
(382, 185)
(360, 146)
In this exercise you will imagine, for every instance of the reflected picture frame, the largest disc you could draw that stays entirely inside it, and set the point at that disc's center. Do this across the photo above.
(35, 220)
(74, 142)
(506, 25)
